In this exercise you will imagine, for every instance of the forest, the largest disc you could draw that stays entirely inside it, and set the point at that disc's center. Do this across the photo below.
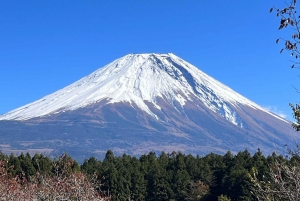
(167, 176)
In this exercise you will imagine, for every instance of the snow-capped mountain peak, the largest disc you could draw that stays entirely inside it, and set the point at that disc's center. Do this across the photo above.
(141, 79)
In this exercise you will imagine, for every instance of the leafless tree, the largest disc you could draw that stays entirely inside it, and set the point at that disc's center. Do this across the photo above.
(63, 185)
(281, 183)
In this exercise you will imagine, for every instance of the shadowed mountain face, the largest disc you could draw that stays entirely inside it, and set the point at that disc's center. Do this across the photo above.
(141, 103)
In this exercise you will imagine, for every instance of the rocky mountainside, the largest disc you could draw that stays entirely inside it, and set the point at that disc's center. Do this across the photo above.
(144, 102)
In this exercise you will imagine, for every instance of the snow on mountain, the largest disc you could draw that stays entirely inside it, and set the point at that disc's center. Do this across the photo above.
(138, 79)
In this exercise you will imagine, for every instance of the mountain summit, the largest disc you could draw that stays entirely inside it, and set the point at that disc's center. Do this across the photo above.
(141, 79)
(153, 97)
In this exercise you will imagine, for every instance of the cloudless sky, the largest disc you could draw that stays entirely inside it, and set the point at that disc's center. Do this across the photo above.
(47, 45)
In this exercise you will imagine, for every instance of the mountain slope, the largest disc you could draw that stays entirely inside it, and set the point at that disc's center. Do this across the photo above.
(136, 79)
(155, 99)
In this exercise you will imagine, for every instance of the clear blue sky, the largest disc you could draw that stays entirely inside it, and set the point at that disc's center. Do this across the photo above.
(46, 45)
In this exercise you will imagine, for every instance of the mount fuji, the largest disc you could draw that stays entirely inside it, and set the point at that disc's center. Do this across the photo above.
(141, 103)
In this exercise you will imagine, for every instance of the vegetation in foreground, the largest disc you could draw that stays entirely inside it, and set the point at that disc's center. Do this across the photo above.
(40, 178)
(169, 176)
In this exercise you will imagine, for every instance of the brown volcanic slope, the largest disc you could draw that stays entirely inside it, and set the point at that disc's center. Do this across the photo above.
(124, 128)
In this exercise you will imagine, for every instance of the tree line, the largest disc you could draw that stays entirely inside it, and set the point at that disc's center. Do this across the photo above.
(151, 177)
